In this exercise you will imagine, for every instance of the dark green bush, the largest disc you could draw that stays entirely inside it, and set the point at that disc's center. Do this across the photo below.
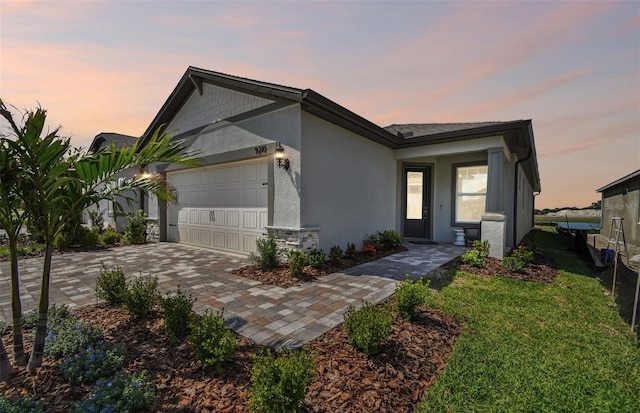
(123, 392)
(178, 312)
(142, 296)
(279, 383)
(70, 337)
(335, 254)
(351, 252)
(21, 404)
(410, 295)
(212, 342)
(93, 363)
(389, 239)
(110, 236)
(513, 264)
(316, 258)
(367, 326)
(78, 237)
(297, 260)
(267, 253)
(136, 228)
(111, 285)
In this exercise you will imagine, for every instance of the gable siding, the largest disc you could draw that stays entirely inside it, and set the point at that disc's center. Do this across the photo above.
(215, 103)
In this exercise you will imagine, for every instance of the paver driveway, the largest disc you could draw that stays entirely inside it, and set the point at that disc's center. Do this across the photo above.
(269, 315)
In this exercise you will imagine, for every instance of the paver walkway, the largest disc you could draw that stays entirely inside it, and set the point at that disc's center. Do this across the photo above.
(269, 315)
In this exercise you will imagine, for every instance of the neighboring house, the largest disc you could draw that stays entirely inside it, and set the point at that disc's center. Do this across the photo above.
(109, 213)
(342, 176)
(621, 199)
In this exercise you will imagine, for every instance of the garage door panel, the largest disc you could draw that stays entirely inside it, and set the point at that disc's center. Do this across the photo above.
(222, 207)
(233, 241)
(250, 220)
(233, 219)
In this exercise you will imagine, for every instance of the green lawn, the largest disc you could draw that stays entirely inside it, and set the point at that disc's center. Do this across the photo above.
(537, 348)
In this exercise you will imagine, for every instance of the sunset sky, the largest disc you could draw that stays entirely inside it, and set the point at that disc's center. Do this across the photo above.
(571, 67)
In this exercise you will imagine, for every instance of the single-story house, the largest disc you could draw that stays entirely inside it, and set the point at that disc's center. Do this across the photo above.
(292, 163)
(130, 201)
(621, 199)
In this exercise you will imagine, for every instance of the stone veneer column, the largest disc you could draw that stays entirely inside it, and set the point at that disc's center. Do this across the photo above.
(494, 230)
(495, 180)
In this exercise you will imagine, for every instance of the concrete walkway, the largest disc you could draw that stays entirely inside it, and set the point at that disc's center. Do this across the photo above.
(269, 315)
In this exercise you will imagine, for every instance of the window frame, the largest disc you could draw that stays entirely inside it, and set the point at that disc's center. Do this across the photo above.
(454, 193)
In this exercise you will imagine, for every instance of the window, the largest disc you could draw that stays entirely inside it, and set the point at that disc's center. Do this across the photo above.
(471, 193)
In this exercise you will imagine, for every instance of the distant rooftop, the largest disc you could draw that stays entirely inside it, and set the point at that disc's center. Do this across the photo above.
(106, 139)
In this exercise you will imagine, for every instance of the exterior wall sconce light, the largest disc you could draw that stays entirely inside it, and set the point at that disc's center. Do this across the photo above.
(282, 161)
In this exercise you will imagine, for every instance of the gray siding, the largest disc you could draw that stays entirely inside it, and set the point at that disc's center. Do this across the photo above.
(623, 201)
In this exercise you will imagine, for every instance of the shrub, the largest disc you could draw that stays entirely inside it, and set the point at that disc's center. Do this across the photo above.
(110, 236)
(56, 315)
(97, 219)
(212, 342)
(367, 326)
(350, 252)
(77, 237)
(473, 258)
(111, 285)
(523, 253)
(141, 296)
(267, 254)
(482, 247)
(373, 240)
(92, 363)
(316, 258)
(513, 264)
(21, 404)
(70, 337)
(389, 239)
(368, 249)
(476, 256)
(123, 392)
(178, 311)
(297, 260)
(410, 295)
(136, 228)
(278, 383)
(335, 254)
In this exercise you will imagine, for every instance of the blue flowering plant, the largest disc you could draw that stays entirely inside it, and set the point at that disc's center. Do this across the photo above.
(124, 392)
(22, 404)
(94, 362)
(70, 337)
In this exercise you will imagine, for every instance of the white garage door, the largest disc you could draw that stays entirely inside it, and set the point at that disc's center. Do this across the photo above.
(222, 207)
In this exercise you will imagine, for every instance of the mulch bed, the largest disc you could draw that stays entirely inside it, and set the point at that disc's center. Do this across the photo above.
(542, 270)
(393, 381)
(281, 277)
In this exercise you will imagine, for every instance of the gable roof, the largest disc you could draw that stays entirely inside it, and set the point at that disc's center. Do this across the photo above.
(620, 181)
(517, 134)
(106, 139)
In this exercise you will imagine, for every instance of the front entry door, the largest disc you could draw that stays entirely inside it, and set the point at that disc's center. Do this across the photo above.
(416, 197)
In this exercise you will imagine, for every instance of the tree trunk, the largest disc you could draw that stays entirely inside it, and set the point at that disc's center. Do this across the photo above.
(35, 360)
(6, 369)
(16, 304)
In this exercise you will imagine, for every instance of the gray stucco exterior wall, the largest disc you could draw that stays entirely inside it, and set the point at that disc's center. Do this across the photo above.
(623, 201)
(349, 184)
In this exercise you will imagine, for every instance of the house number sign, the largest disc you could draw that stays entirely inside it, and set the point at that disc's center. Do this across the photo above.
(261, 150)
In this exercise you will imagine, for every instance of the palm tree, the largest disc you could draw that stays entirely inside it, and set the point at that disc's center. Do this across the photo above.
(62, 182)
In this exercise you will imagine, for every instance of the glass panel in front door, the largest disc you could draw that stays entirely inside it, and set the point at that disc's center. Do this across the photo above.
(415, 192)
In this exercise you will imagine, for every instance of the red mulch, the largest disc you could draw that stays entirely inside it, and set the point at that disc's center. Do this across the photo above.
(281, 277)
(393, 381)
